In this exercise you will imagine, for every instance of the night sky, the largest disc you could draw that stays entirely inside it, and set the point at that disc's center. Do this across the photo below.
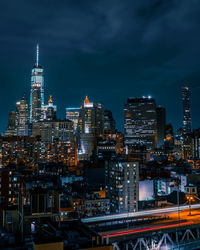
(107, 49)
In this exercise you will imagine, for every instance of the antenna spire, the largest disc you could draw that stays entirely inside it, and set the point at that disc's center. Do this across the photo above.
(37, 55)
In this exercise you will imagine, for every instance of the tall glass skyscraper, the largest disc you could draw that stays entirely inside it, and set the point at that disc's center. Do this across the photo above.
(187, 123)
(37, 90)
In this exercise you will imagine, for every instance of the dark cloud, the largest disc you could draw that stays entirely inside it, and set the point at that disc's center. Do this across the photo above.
(107, 49)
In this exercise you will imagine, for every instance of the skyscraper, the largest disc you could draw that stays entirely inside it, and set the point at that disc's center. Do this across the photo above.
(72, 114)
(37, 90)
(49, 111)
(140, 122)
(22, 117)
(91, 124)
(92, 117)
(187, 123)
(161, 124)
(11, 128)
(109, 122)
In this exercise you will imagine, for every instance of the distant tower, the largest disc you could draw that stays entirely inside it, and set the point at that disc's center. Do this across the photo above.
(37, 90)
(51, 110)
(22, 117)
(187, 123)
(109, 122)
(11, 128)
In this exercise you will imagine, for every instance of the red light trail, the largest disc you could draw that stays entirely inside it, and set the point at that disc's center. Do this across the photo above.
(133, 231)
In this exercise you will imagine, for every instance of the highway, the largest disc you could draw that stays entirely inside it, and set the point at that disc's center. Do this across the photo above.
(136, 214)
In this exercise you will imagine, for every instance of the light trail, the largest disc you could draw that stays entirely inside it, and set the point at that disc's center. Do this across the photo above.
(136, 214)
(134, 231)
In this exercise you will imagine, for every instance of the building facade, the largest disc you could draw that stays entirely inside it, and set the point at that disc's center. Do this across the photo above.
(122, 185)
(49, 130)
(140, 122)
(72, 114)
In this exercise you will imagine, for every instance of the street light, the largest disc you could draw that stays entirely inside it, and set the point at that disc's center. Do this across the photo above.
(190, 198)
(178, 198)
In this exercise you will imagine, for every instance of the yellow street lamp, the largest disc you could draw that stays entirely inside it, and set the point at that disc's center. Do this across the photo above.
(190, 198)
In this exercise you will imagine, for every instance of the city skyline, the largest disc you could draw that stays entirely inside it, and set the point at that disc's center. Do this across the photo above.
(100, 124)
(103, 51)
(44, 97)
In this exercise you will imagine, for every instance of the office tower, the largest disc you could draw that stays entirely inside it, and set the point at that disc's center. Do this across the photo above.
(140, 122)
(49, 111)
(91, 124)
(49, 130)
(37, 90)
(109, 122)
(161, 123)
(122, 185)
(11, 128)
(187, 123)
(22, 117)
(91, 118)
(72, 114)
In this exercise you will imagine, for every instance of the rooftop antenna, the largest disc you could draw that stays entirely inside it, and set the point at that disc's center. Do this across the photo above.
(37, 55)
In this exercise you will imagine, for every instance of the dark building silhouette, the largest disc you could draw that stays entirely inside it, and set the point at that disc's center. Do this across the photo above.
(187, 123)
(161, 123)
(109, 122)
(11, 127)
